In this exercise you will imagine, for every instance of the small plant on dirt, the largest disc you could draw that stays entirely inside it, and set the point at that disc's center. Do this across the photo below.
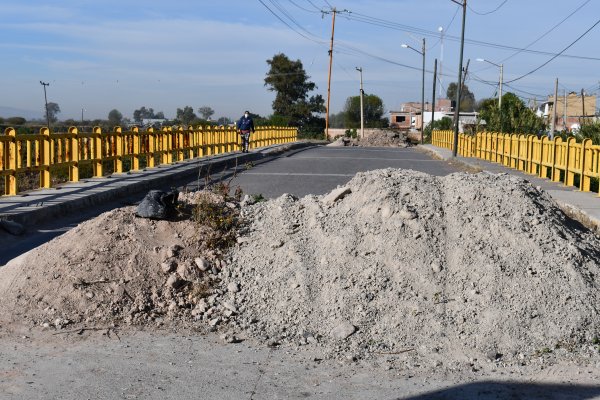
(257, 198)
(541, 352)
(222, 220)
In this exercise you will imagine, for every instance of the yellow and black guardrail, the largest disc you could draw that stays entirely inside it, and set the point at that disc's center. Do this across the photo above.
(45, 151)
(556, 159)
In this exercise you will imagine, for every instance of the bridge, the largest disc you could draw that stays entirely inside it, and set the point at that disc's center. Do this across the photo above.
(298, 168)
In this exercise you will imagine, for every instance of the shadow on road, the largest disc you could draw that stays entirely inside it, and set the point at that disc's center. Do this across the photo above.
(492, 390)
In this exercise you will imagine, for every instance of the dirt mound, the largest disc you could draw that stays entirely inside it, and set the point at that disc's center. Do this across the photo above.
(116, 269)
(426, 270)
(448, 270)
(378, 138)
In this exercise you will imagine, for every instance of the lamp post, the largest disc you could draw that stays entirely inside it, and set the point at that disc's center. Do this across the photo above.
(44, 84)
(362, 110)
(82, 110)
(422, 53)
(459, 87)
(501, 78)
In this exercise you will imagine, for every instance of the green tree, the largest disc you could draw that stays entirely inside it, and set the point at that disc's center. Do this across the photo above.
(373, 112)
(443, 124)
(467, 99)
(15, 121)
(206, 112)
(291, 84)
(186, 115)
(590, 131)
(224, 121)
(515, 116)
(146, 113)
(115, 118)
(53, 109)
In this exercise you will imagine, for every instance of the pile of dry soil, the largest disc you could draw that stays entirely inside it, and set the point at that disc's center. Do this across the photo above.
(116, 269)
(441, 270)
(427, 270)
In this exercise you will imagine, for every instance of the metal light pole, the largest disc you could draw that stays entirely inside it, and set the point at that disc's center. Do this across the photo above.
(459, 87)
(501, 66)
(82, 110)
(362, 109)
(46, 102)
(422, 53)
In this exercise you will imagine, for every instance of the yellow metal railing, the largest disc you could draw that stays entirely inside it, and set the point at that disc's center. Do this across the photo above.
(558, 160)
(45, 151)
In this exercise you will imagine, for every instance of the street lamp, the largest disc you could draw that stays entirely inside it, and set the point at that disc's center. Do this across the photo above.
(44, 84)
(422, 52)
(501, 78)
(362, 110)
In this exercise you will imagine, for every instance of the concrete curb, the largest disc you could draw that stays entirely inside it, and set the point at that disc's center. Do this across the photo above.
(41, 205)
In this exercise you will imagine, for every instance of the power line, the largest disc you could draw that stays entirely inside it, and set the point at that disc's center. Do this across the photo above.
(550, 30)
(304, 9)
(289, 26)
(551, 59)
(490, 12)
(313, 4)
(406, 28)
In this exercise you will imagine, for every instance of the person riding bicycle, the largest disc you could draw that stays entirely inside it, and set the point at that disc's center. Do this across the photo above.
(246, 126)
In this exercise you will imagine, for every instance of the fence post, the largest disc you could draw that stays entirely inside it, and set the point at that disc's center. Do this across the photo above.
(150, 161)
(97, 151)
(569, 176)
(135, 154)
(585, 180)
(45, 158)
(9, 159)
(73, 154)
(118, 163)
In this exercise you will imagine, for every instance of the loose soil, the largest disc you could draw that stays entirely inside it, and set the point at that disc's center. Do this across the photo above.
(460, 272)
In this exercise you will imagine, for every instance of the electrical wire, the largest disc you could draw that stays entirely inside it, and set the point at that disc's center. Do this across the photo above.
(554, 57)
(490, 12)
(424, 32)
(319, 41)
(304, 9)
(549, 31)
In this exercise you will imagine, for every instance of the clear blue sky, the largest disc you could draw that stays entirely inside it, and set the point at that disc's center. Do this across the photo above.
(102, 55)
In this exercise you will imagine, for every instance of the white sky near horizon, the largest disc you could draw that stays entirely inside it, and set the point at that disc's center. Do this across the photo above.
(104, 55)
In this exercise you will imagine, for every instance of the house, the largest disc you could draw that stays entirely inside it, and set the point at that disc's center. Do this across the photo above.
(572, 110)
(409, 116)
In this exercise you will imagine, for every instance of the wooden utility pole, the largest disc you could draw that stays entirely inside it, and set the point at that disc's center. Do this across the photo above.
(433, 96)
(459, 84)
(555, 105)
(582, 107)
(333, 12)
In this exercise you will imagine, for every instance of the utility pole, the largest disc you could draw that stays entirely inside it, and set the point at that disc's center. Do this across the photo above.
(582, 107)
(500, 94)
(362, 109)
(82, 110)
(423, 93)
(553, 129)
(333, 12)
(459, 86)
(565, 110)
(433, 96)
(46, 102)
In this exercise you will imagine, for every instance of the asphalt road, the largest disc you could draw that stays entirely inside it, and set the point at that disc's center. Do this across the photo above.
(318, 170)
(311, 170)
(36, 364)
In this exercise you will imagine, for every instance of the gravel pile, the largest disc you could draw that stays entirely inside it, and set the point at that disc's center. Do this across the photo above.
(448, 270)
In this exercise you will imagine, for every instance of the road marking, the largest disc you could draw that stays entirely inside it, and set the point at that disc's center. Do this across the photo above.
(292, 174)
(362, 158)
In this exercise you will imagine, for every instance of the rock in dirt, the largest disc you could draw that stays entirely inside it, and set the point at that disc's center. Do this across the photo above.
(343, 330)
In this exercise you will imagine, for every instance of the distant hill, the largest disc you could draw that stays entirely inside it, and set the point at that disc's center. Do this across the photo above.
(7, 112)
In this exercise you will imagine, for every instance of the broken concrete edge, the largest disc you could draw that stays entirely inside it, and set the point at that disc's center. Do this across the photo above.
(32, 217)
